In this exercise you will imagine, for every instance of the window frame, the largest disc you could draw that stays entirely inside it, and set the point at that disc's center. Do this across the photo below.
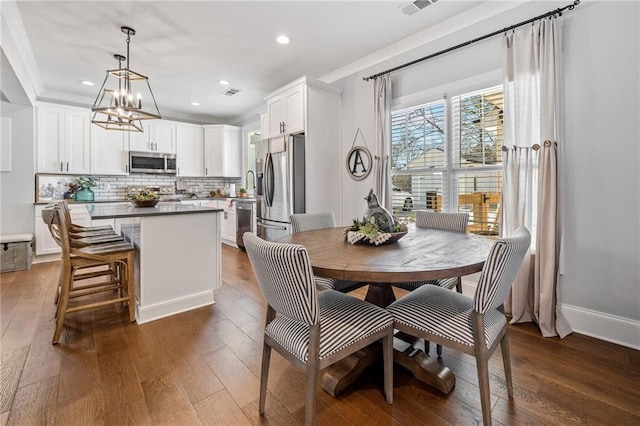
(452, 170)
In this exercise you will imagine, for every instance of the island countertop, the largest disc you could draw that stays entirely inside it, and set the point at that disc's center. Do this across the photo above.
(120, 210)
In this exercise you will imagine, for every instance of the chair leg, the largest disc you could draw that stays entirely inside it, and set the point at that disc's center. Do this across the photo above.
(482, 364)
(264, 376)
(439, 350)
(459, 285)
(313, 374)
(506, 361)
(387, 354)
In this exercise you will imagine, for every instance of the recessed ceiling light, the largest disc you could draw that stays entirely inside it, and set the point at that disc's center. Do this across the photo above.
(195, 103)
(87, 83)
(283, 39)
(224, 82)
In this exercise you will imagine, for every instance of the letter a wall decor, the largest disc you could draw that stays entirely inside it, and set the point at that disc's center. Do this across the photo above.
(359, 161)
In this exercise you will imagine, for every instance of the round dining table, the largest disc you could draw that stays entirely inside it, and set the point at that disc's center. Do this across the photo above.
(422, 254)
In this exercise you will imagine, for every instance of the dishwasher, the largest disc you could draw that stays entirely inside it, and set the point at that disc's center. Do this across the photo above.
(244, 220)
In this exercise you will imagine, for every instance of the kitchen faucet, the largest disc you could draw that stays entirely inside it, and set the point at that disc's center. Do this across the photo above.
(254, 179)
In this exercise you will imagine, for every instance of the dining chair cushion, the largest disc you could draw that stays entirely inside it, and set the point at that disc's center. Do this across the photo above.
(445, 313)
(344, 320)
(323, 283)
(448, 283)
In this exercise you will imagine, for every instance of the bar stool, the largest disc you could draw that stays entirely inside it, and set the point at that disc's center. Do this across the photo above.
(118, 254)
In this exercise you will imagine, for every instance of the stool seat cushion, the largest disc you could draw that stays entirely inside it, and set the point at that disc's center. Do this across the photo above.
(344, 320)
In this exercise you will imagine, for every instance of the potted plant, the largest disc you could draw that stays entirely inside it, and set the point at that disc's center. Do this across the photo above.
(85, 183)
(243, 192)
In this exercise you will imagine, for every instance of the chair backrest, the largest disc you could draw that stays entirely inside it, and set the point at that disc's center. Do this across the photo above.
(64, 207)
(285, 277)
(447, 221)
(309, 221)
(500, 270)
(55, 219)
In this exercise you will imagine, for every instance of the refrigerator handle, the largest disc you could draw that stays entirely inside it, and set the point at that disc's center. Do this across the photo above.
(268, 179)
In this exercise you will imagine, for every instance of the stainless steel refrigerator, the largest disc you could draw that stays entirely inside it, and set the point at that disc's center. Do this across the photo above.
(281, 184)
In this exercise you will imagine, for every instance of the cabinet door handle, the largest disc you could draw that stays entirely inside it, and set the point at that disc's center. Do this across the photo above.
(206, 171)
(225, 215)
(283, 127)
(67, 166)
(126, 168)
(61, 166)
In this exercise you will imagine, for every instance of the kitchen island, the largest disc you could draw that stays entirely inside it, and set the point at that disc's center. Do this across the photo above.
(177, 258)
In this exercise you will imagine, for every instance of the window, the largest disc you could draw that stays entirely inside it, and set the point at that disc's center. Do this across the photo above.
(447, 156)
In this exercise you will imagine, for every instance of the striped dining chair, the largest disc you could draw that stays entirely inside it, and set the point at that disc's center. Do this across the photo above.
(434, 220)
(311, 221)
(312, 329)
(475, 325)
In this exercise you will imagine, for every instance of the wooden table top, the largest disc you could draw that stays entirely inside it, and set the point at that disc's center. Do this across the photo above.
(422, 254)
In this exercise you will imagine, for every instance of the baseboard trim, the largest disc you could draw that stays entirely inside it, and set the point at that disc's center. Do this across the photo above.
(603, 326)
(172, 307)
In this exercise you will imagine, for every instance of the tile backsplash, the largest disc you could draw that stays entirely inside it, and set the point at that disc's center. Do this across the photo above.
(114, 188)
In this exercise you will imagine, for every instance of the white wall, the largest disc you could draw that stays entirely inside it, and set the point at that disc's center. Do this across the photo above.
(16, 186)
(601, 54)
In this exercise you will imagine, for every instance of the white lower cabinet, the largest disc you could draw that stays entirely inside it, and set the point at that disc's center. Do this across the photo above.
(45, 244)
(228, 228)
(228, 223)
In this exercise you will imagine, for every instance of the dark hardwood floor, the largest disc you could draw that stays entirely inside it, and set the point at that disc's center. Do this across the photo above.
(202, 367)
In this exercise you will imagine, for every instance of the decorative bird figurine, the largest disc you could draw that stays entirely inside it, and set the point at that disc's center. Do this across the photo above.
(382, 217)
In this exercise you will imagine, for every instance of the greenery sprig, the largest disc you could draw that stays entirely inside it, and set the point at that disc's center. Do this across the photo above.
(87, 181)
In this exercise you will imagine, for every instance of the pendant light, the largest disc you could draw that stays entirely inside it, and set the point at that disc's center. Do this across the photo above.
(122, 107)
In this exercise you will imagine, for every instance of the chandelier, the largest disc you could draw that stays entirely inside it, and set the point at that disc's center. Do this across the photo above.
(122, 108)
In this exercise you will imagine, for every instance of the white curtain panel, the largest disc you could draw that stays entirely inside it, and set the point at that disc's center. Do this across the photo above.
(382, 167)
(531, 187)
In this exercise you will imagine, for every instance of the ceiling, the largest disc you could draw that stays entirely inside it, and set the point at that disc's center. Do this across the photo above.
(185, 47)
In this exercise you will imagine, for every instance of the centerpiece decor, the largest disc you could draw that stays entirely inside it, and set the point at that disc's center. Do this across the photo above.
(144, 199)
(84, 192)
(377, 227)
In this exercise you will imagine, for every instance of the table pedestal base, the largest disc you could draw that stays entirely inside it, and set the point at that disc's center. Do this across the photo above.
(427, 369)
(406, 353)
(344, 372)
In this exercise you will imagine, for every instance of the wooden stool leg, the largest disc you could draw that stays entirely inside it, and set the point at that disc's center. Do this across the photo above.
(131, 292)
(63, 302)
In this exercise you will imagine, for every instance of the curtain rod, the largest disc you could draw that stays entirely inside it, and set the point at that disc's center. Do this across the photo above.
(467, 43)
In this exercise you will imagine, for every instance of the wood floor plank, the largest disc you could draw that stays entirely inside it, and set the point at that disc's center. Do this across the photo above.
(239, 381)
(135, 413)
(35, 404)
(11, 367)
(221, 409)
(88, 409)
(275, 413)
(168, 403)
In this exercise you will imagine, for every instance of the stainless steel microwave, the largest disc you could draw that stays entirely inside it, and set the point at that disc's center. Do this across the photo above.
(152, 162)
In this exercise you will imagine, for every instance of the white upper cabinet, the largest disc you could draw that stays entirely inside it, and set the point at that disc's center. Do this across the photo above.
(190, 150)
(222, 151)
(63, 139)
(264, 125)
(109, 152)
(286, 109)
(158, 136)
